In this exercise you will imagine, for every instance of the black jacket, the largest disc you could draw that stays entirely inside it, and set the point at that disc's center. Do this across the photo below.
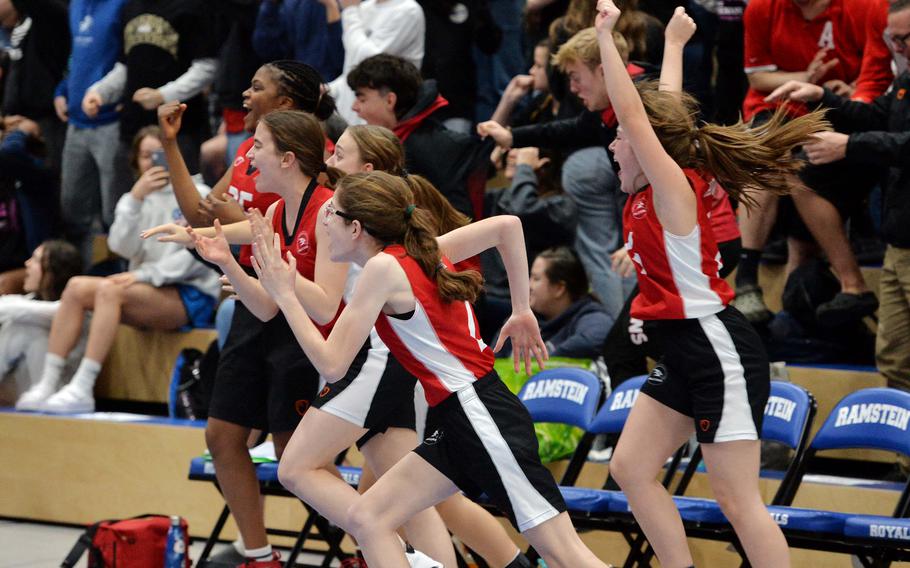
(455, 163)
(586, 129)
(880, 136)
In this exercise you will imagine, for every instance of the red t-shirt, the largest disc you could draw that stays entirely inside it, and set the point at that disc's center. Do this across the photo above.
(678, 276)
(243, 190)
(778, 38)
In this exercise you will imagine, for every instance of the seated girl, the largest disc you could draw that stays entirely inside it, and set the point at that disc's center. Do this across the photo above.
(165, 288)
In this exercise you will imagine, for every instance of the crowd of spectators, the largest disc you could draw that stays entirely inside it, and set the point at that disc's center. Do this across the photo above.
(500, 104)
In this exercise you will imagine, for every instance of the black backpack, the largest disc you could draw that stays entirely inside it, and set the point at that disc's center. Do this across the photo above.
(191, 383)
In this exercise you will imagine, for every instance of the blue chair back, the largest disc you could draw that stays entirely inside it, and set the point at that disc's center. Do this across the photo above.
(613, 414)
(565, 395)
(787, 414)
(876, 418)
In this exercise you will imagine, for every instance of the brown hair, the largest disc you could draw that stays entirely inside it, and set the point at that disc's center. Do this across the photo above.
(579, 15)
(145, 132)
(384, 205)
(633, 26)
(583, 47)
(299, 132)
(564, 266)
(743, 158)
(60, 261)
(379, 146)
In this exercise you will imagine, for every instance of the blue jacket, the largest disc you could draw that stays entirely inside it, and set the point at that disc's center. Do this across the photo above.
(580, 331)
(96, 29)
(296, 29)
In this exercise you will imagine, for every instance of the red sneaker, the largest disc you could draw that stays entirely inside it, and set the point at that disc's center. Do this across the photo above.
(275, 562)
(353, 562)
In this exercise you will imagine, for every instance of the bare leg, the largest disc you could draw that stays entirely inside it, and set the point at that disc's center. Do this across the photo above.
(733, 474)
(652, 433)
(798, 253)
(237, 477)
(78, 297)
(410, 486)
(559, 544)
(478, 529)
(425, 529)
(827, 226)
(756, 224)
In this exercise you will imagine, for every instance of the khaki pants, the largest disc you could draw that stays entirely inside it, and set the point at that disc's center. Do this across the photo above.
(892, 344)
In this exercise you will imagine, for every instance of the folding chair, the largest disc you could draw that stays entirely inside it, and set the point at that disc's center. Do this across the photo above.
(788, 417)
(267, 475)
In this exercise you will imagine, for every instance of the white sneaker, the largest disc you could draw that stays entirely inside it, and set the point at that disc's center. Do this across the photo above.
(69, 400)
(418, 559)
(34, 398)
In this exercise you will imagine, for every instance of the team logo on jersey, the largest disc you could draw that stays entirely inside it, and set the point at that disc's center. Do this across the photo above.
(238, 160)
(301, 406)
(324, 391)
(826, 40)
(900, 94)
(434, 438)
(639, 209)
(704, 424)
(303, 244)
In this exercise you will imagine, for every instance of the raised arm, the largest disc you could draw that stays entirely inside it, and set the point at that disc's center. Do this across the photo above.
(674, 201)
(679, 31)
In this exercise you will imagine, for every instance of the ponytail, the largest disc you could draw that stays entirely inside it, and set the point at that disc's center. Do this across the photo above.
(384, 205)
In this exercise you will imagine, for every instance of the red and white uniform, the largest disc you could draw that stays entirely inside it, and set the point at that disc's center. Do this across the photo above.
(440, 342)
(677, 275)
(720, 212)
(300, 239)
(243, 190)
(779, 38)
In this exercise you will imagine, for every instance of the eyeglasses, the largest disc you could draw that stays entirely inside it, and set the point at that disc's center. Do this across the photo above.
(900, 40)
(330, 210)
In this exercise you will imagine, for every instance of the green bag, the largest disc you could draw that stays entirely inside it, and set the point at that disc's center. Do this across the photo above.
(556, 441)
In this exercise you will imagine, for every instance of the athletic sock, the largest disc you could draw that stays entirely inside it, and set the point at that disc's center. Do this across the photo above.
(264, 553)
(747, 269)
(84, 379)
(52, 372)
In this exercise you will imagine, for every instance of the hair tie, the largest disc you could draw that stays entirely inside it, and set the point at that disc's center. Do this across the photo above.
(440, 266)
(408, 211)
(404, 173)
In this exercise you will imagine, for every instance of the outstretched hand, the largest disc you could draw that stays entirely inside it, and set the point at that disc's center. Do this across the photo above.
(170, 233)
(499, 133)
(818, 67)
(796, 91)
(607, 16)
(214, 249)
(276, 276)
(524, 332)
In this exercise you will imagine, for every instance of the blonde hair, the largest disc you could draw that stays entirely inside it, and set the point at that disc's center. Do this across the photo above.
(583, 47)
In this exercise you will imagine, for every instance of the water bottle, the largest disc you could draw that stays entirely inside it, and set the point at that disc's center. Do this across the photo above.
(175, 551)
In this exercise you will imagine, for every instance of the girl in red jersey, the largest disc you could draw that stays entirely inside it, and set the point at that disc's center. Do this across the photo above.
(717, 378)
(263, 380)
(485, 440)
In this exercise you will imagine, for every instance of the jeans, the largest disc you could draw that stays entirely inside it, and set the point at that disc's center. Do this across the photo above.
(588, 177)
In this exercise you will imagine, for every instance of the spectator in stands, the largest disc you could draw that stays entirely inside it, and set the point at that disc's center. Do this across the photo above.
(588, 176)
(390, 92)
(878, 135)
(165, 288)
(25, 319)
(370, 27)
(840, 45)
(454, 29)
(573, 324)
(642, 31)
(38, 51)
(29, 192)
(304, 30)
(89, 176)
(168, 54)
(547, 214)
(527, 98)
(495, 70)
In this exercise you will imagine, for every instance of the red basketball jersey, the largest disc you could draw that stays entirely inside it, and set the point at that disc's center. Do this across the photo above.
(677, 275)
(779, 38)
(300, 239)
(720, 212)
(440, 342)
(243, 190)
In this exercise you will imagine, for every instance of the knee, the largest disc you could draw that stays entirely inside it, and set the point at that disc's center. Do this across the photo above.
(732, 503)
(364, 519)
(109, 291)
(622, 469)
(223, 443)
(77, 289)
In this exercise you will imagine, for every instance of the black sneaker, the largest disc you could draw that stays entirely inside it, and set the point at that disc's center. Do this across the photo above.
(846, 308)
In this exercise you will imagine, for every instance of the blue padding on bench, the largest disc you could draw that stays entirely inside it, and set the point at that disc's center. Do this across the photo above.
(265, 472)
(585, 500)
(878, 527)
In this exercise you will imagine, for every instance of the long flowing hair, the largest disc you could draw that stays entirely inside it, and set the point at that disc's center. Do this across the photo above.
(743, 158)
(384, 205)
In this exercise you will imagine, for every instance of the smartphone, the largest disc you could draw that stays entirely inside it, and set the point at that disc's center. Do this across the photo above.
(158, 158)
